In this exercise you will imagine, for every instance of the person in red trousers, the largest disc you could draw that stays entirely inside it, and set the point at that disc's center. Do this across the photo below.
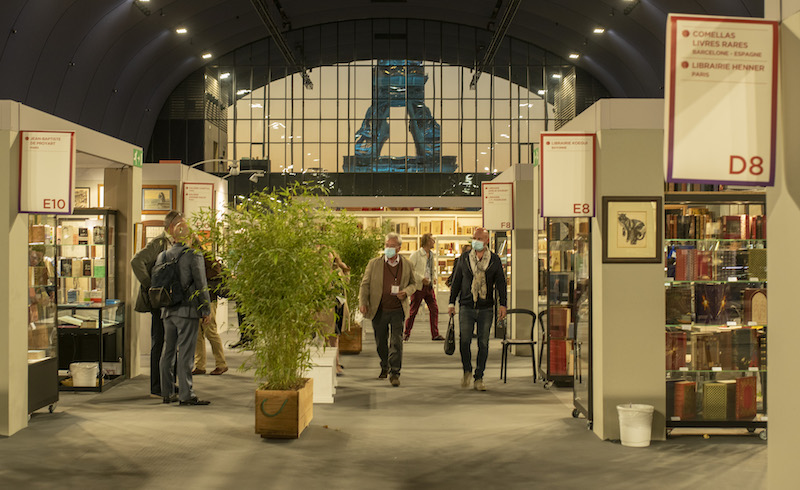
(425, 269)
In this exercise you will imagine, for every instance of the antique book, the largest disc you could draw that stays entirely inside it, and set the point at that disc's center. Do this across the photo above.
(725, 340)
(705, 351)
(558, 357)
(676, 350)
(685, 263)
(679, 305)
(87, 267)
(99, 235)
(449, 227)
(734, 227)
(36, 234)
(66, 267)
(705, 271)
(685, 404)
(757, 263)
(719, 400)
(710, 301)
(744, 344)
(436, 227)
(425, 227)
(755, 305)
(558, 321)
(746, 397)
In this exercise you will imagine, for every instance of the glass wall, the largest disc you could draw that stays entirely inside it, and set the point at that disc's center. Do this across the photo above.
(301, 128)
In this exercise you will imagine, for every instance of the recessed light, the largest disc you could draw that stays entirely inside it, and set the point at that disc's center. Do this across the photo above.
(599, 30)
(574, 56)
(224, 76)
(206, 56)
(181, 30)
(556, 75)
(540, 92)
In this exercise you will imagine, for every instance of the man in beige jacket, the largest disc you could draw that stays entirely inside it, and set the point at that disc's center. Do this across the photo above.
(388, 282)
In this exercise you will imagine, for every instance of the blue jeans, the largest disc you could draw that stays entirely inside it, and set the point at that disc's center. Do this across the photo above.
(467, 318)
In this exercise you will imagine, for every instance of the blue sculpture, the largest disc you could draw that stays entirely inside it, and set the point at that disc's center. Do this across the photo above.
(398, 83)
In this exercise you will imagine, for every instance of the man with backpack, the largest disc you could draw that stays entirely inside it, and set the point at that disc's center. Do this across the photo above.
(179, 287)
(142, 265)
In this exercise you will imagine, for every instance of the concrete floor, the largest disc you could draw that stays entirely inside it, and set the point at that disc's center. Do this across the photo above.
(428, 433)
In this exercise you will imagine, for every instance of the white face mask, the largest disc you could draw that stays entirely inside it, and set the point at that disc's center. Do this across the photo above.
(477, 245)
(390, 252)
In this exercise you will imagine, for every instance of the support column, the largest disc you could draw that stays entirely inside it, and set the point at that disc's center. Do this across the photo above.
(123, 193)
(13, 297)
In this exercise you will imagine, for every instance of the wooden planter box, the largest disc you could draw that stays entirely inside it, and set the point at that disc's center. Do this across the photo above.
(284, 414)
(350, 340)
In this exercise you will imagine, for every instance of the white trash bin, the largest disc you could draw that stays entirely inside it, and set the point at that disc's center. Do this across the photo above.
(635, 424)
(84, 373)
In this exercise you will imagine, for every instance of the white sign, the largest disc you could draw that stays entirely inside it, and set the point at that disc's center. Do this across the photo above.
(721, 100)
(197, 197)
(498, 205)
(47, 171)
(566, 170)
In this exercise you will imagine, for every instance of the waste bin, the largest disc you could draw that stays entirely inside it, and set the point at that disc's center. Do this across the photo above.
(84, 373)
(635, 424)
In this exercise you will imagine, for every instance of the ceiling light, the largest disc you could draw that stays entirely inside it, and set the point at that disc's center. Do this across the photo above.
(540, 92)
(181, 30)
(225, 75)
(144, 1)
(599, 30)
(206, 56)
(556, 75)
(256, 106)
(574, 56)
(242, 91)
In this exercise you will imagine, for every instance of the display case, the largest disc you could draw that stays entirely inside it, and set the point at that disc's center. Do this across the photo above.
(568, 313)
(91, 341)
(716, 310)
(42, 303)
(86, 256)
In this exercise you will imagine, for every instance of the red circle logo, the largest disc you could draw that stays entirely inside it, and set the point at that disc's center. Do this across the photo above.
(685, 64)
(685, 33)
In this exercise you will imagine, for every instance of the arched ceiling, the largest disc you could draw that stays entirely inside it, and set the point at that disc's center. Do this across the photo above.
(111, 64)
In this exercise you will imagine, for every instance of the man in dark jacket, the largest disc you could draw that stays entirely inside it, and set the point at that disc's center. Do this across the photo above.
(142, 265)
(181, 320)
(475, 280)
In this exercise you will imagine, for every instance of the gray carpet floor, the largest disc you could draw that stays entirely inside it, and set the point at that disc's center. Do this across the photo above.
(427, 433)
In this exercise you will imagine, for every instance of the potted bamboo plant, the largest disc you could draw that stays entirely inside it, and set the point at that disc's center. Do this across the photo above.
(279, 272)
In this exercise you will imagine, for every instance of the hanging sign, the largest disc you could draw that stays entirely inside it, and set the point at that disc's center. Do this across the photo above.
(566, 171)
(46, 171)
(197, 196)
(497, 200)
(721, 100)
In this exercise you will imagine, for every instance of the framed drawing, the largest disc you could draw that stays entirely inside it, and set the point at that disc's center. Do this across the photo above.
(158, 199)
(81, 197)
(151, 229)
(632, 229)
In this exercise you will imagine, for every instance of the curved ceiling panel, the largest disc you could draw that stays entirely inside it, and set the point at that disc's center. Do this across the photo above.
(111, 64)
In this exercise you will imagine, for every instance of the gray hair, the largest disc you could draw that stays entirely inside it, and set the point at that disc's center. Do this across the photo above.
(171, 217)
(394, 236)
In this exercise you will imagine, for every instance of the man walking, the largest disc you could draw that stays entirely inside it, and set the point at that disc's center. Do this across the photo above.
(384, 298)
(427, 276)
(181, 320)
(142, 265)
(475, 280)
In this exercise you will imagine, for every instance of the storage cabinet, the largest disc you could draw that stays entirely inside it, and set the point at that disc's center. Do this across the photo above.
(716, 305)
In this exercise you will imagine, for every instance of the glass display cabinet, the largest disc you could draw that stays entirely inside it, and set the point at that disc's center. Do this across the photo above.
(86, 252)
(716, 310)
(42, 304)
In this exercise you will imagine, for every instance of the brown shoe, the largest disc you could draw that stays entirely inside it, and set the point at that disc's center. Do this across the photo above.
(198, 371)
(218, 371)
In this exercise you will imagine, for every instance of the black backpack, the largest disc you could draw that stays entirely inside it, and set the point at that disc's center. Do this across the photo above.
(165, 283)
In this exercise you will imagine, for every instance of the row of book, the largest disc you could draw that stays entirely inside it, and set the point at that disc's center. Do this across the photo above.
(674, 187)
(704, 226)
(716, 304)
(68, 235)
(82, 267)
(736, 349)
(688, 263)
(733, 399)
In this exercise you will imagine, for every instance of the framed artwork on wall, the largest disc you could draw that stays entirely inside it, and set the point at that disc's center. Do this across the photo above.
(632, 229)
(81, 197)
(158, 199)
(151, 229)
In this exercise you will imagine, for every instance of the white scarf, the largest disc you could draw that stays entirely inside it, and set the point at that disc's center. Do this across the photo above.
(479, 274)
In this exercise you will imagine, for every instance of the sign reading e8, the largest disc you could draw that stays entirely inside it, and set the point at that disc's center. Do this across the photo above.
(579, 208)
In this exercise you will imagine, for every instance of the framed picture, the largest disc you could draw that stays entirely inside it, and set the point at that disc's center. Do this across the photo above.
(81, 197)
(158, 199)
(151, 229)
(632, 229)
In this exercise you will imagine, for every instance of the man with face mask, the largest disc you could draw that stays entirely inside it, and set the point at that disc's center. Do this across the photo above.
(388, 282)
(475, 280)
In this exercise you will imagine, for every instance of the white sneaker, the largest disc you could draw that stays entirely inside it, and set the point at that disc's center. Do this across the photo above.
(479, 386)
(465, 379)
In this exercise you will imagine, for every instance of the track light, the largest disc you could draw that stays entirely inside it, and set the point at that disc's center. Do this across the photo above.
(255, 176)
